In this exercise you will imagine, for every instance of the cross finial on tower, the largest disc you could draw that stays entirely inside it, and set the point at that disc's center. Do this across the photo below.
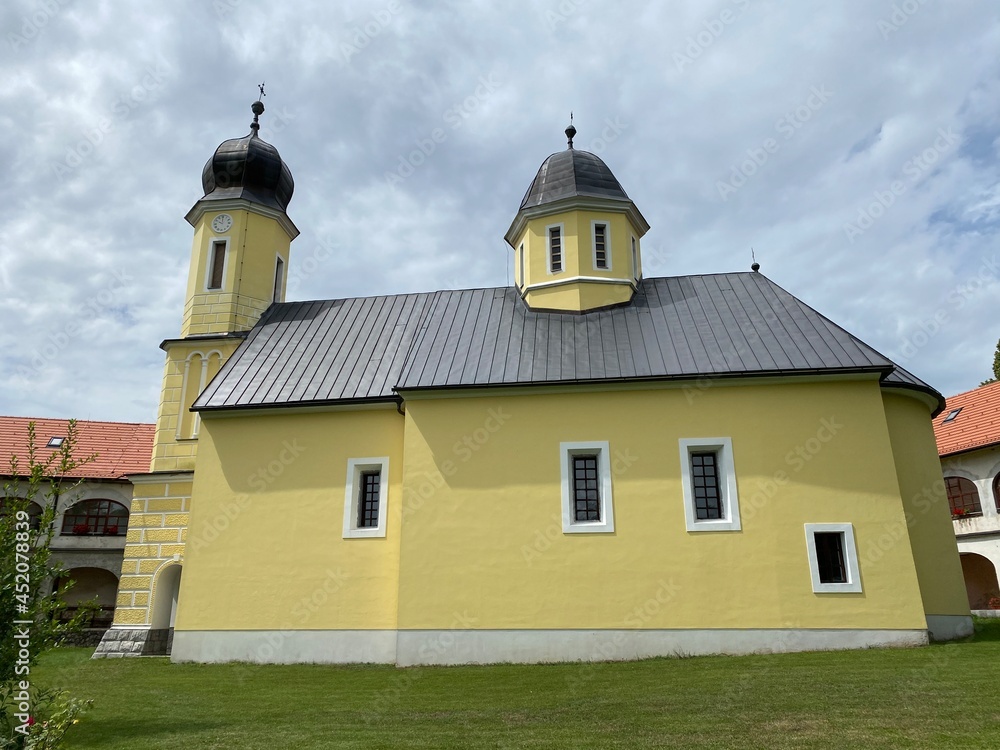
(570, 131)
(258, 109)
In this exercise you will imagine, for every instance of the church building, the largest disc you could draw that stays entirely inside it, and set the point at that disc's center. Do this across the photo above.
(586, 465)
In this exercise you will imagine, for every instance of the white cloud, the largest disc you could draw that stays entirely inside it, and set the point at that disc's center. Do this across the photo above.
(142, 93)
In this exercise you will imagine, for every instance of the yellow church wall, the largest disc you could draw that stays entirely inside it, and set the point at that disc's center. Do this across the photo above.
(928, 517)
(482, 539)
(265, 547)
(578, 296)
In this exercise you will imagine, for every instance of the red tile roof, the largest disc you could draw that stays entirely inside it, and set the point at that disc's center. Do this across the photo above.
(122, 448)
(976, 426)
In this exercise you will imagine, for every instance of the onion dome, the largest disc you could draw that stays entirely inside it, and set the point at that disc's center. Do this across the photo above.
(248, 168)
(571, 173)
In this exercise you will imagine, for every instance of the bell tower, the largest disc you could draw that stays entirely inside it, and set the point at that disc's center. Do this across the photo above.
(242, 239)
(576, 235)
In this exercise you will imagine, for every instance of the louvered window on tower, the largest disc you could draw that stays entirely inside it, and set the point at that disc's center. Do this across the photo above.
(218, 265)
(705, 480)
(555, 250)
(586, 492)
(601, 246)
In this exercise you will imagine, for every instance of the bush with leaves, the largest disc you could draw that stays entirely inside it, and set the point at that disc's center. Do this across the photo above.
(27, 573)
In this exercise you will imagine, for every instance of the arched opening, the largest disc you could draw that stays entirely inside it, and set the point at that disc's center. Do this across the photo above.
(34, 510)
(89, 584)
(963, 497)
(996, 491)
(168, 584)
(96, 518)
(980, 580)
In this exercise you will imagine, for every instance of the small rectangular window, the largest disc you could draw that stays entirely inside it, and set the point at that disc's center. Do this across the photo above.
(705, 481)
(365, 497)
(951, 415)
(601, 246)
(279, 278)
(555, 250)
(368, 502)
(520, 255)
(708, 484)
(218, 265)
(587, 506)
(586, 492)
(55, 442)
(635, 260)
(833, 558)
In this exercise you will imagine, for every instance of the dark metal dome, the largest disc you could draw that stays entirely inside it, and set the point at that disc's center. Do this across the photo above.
(248, 168)
(570, 173)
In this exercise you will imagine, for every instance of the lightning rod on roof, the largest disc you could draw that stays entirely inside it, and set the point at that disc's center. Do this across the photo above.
(755, 266)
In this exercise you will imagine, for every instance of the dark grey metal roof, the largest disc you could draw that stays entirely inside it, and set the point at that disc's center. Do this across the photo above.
(570, 173)
(722, 325)
(249, 168)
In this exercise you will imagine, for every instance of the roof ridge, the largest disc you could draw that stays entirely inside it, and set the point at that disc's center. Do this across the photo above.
(78, 421)
(973, 390)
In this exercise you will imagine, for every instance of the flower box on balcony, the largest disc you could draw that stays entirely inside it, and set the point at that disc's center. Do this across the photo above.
(81, 528)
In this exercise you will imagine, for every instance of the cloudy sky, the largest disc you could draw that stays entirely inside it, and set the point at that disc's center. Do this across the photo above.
(854, 146)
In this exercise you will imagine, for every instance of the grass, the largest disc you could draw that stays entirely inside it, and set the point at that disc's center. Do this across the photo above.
(936, 697)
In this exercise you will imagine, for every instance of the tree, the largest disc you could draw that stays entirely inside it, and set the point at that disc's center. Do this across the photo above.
(30, 606)
(996, 367)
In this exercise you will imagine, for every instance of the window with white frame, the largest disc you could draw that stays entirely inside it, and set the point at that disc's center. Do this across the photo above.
(708, 480)
(555, 249)
(833, 558)
(365, 497)
(520, 264)
(587, 506)
(635, 259)
(602, 245)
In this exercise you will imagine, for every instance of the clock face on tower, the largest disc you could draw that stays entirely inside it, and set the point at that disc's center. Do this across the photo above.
(222, 222)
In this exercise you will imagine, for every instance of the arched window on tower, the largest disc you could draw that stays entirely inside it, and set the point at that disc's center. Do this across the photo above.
(96, 518)
(963, 497)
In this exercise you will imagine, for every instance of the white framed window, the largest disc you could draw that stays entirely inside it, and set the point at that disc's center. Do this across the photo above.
(215, 273)
(279, 278)
(600, 232)
(833, 558)
(520, 264)
(365, 497)
(708, 479)
(587, 504)
(554, 233)
(635, 259)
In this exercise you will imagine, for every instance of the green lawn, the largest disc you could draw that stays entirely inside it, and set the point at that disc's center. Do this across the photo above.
(942, 696)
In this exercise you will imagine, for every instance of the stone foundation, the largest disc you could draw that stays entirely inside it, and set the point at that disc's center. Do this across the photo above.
(119, 642)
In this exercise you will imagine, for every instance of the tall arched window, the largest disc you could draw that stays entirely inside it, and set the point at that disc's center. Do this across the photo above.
(97, 518)
(963, 497)
(996, 491)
